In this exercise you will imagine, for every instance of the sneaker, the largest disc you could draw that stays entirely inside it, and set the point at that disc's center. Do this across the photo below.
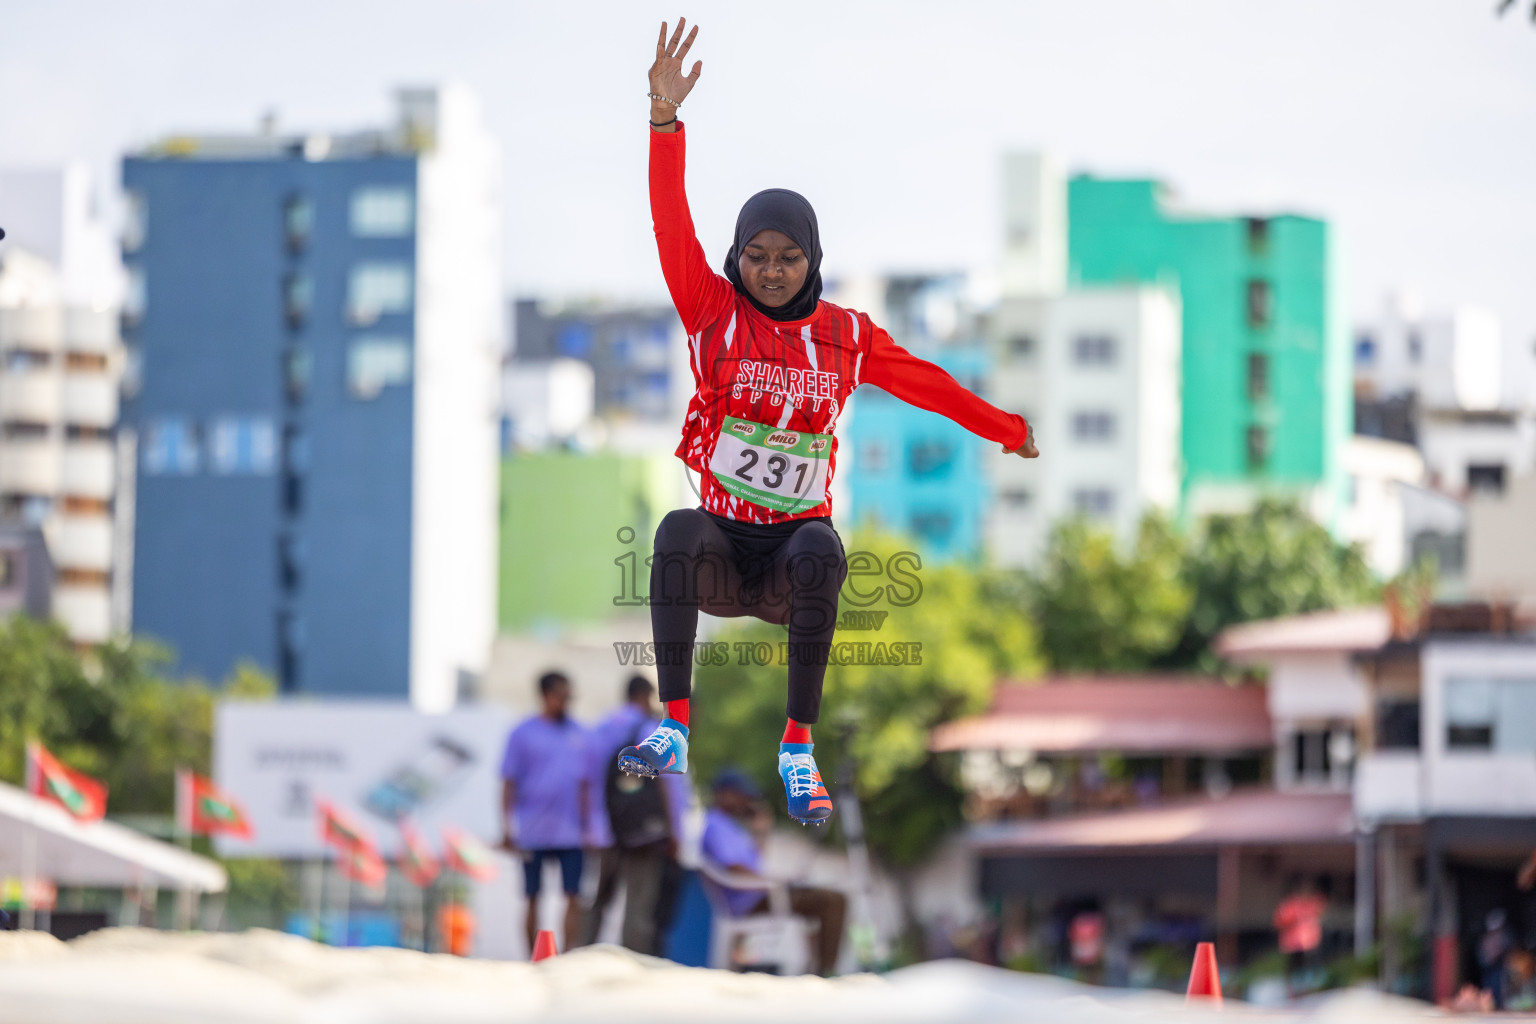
(809, 803)
(663, 752)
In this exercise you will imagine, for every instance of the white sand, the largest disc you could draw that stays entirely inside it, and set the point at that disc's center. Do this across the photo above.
(137, 976)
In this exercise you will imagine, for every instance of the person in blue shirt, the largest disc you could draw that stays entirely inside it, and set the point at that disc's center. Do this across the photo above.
(728, 843)
(544, 800)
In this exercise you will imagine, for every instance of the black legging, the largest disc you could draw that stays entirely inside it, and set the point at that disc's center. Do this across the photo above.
(785, 573)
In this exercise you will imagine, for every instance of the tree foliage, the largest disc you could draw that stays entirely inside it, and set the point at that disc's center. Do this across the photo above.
(879, 715)
(1270, 561)
(1162, 602)
(1101, 610)
(109, 712)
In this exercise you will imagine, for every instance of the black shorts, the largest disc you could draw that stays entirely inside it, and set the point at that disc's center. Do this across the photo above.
(533, 870)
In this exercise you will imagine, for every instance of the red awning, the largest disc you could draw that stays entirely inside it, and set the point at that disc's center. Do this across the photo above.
(1120, 714)
(1259, 817)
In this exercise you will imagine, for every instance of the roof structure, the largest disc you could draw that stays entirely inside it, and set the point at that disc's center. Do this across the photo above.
(1257, 817)
(101, 854)
(1119, 714)
(1345, 631)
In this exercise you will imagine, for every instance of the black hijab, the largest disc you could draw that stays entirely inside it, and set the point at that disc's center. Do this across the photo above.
(779, 209)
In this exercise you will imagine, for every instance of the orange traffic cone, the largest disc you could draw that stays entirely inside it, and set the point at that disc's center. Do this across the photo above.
(1204, 979)
(544, 946)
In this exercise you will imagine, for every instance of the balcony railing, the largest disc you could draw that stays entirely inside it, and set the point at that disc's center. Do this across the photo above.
(31, 396)
(89, 469)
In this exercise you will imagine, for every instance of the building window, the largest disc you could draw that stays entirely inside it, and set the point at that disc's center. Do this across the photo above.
(1316, 753)
(1260, 302)
(1365, 351)
(298, 295)
(1497, 715)
(290, 561)
(1258, 447)
(135, 296)
(242, 445)
(1258, 375)
(374, 289)
(297, 365)
(298, 221)
(1486, 479)
(930, 459)
(874, 457)
(1093, 350)
(574, 340)
(1093, 426)
(135, 220)
(295, 465)
(1258, 235)
(171, 447)
(382, 211)
(375, 363)
(1014, 500)
(1097, 502)
(934, 527)
(1021, 346)
(1397, 725)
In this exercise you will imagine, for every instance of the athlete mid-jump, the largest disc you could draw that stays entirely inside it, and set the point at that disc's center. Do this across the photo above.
(773, 366)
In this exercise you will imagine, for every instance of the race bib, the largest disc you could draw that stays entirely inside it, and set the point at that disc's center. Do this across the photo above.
(784, 470)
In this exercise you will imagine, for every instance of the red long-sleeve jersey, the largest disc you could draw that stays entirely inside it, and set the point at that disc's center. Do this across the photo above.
(768, 393)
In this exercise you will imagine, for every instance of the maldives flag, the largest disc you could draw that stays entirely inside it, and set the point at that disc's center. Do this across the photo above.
(416, 861)
(80, 795)
(338, 829)
(202, 808)
(362, 864)
(468, 855)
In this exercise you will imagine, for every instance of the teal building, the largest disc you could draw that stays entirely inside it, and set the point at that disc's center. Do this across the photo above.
(1267, 399)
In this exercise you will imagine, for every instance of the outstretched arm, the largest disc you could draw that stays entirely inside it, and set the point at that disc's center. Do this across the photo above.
(700, 295)
(919, 382)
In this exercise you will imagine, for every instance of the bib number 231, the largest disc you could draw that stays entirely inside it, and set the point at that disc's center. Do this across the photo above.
(778, 469)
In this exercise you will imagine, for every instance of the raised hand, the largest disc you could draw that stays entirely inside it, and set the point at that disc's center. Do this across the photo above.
(1027, 450)
(666, 75)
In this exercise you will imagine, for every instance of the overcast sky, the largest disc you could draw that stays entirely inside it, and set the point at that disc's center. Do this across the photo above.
(1410, 124)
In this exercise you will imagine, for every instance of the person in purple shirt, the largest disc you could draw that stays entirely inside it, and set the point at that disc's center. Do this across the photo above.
(729, 843)
(544, 800)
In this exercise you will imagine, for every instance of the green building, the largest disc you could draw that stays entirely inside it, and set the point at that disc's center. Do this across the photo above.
(1267, 399)
(575, 533)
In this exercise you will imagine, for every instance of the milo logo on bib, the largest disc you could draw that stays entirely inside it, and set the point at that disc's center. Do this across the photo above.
(779, 469)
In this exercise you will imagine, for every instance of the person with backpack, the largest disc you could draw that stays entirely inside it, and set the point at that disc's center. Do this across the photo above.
(632, 824)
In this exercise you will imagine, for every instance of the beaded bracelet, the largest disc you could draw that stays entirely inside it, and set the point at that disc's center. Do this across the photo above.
(664, 99)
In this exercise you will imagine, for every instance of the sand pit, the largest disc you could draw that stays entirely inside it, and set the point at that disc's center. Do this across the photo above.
(137, 976)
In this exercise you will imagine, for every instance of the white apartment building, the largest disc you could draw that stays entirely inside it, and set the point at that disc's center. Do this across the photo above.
(60, 365)
(1429, 721)
(1448, 383)
(1096, 370)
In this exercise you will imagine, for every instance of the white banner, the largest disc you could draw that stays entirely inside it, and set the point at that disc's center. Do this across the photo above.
(376, 760)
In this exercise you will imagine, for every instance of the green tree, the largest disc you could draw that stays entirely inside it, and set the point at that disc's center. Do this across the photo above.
(880, 715)
(1104, 610)
(109, 712)
(1270, 561)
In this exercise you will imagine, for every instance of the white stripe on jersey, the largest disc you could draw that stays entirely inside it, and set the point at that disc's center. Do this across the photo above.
(693, 357)
(810, 349)
(789, 409)
(730, 331)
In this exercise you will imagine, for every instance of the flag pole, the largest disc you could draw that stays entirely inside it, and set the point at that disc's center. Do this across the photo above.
(29, 844)
(346, 904)
(183, 832)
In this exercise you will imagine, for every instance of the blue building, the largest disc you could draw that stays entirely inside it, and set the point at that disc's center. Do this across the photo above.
(914, 471)
(313, 329)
